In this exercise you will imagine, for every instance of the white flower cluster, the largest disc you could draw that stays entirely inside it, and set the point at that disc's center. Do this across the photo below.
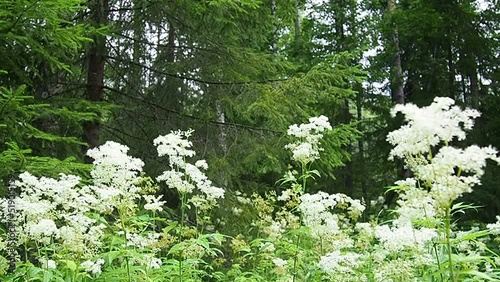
(59, 211)
(45, 203)
(183, 176)
(153, 203)
(398, 238)
(339, 264)
(414, 204)
(151, 262)
(115, 176)
(447, 185)
(142, 241)
(47, 263)
(93, 267)
(316, 210)
(429, 126)
(451, 172)
(281, 266)
(306, 149)
(494, 228)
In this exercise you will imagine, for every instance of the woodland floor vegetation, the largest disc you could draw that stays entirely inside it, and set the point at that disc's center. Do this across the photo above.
(249, 140)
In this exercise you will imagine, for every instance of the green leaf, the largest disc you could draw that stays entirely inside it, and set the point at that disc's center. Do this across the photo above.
(70, 264)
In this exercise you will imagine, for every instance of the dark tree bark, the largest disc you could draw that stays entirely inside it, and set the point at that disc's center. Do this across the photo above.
(474, 82)
(274, 43)
(297, 22)
(397, 91)
(95, 72)
(171, 43)
(397, 87)
(451, 69)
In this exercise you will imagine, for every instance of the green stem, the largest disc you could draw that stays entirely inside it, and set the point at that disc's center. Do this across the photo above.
(447, 231)
(438, 262)
(75, 273)
(183, 210)
(304, 177)
(125, 235)
(180, 268)
(295, 258)
(154, 220)
(26, 251)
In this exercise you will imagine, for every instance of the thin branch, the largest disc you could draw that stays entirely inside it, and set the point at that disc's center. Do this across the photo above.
(18, 19)
(231, 124)
(266, 81)
(216, 51)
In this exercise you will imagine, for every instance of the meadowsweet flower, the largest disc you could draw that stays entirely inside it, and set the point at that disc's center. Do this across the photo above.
(175, 145)
(186, 178)
(414, 204)
(174, 179)
(112, 165)
(285, 195)
(43, 230)
(280, 262)
(93, 267)
(398, 238)
(201, 164)
(267, 247)
(153, 203)
(451, 172)
(428, 126)
(58, 210)
(47, 263)
(306, 149)
(281, 266)
(494, 228)
(336, 263)
(274, 230)
(396, 270)
(151, 262)
(316, 210)
(142, 241)
(364, 228)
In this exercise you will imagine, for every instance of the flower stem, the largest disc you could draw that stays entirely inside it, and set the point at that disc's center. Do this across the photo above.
(447, 227)
(304, 177)
(183, 208)
(125, 235)
(295, 258)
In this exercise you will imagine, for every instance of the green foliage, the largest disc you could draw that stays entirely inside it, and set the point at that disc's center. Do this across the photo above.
(38, 127)
(39, 33)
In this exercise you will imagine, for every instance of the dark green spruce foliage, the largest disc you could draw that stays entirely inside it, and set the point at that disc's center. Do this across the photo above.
(41, 44)
(229, 70)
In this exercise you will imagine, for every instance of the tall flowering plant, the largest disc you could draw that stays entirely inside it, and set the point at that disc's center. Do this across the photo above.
(194, 188)
(188, 179)
(311, 217)
(441, 172)
(67, 225)
(306, 147)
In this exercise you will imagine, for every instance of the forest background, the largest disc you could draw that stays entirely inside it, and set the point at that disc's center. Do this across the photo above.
(75, 73)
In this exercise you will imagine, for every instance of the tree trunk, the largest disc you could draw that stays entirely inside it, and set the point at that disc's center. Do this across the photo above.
(274, 43)
(361, 144)
(397, 88)
(397, 91)
(297, 23)
(95, 72)
(451, 70)
(474, 83)
(171, 43)
(136, 75)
